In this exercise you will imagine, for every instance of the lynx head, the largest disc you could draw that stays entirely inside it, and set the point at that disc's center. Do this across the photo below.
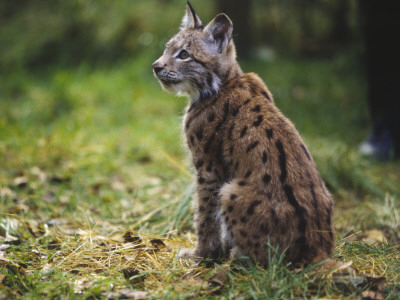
(198, 59)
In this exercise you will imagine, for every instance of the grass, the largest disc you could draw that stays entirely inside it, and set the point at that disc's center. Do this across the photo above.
(95, 186)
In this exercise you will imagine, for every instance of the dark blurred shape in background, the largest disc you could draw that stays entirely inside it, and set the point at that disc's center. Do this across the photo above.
(309, 28)
(240, 13)
(381, 29)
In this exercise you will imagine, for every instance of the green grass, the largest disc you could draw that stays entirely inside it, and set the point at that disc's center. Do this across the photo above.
(88, 153)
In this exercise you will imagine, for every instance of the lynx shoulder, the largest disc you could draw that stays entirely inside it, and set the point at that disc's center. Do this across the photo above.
(257, 185)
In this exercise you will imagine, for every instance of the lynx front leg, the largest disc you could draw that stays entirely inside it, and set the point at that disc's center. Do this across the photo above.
(207, 221)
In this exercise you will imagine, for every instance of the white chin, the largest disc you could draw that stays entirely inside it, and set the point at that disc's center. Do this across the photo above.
(181, 89)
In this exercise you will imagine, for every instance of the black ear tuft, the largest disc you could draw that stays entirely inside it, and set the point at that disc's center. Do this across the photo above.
(191, 8)
(191, 20)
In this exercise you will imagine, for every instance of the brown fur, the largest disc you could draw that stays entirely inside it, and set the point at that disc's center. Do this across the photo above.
(253, 167)
(257, 184)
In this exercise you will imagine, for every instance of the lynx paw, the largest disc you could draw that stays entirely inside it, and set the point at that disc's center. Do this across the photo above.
(186, 253)
(235, 253)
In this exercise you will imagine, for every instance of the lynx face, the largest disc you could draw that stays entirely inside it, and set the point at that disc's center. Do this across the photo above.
(197, 60)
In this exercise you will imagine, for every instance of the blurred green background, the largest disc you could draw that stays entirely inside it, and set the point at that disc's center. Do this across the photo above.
(42, 33)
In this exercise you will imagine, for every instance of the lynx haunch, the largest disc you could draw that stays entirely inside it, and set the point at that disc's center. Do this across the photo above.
(257, 183)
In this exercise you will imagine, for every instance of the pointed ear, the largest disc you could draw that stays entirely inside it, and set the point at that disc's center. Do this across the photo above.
(219, 31)
(191, 20)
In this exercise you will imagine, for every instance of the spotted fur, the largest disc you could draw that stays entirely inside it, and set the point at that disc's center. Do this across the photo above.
(257, 183)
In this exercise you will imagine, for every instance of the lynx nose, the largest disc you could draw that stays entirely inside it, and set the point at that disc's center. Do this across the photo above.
(157, 67)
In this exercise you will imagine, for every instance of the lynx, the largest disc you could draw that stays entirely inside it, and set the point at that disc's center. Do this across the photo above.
(257, 185)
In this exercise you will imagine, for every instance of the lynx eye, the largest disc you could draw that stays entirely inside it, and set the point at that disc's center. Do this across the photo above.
(183, 54)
